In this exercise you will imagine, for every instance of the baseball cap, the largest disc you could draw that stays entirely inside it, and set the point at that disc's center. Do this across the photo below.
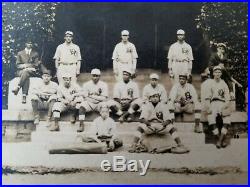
(183, 75)
(154, 93)
(221, 45)
(125, 33)
(181, 32)
(217, 68)
(28, 41)
(154, 76)
(95, 72)
(69, 33)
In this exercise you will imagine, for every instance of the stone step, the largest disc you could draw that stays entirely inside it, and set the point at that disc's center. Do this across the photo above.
(127, 136)
(121, 127)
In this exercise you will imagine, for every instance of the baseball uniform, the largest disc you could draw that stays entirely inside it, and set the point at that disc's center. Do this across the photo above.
(68, 56)
(123, 58)
(180, 57)
(94, 95)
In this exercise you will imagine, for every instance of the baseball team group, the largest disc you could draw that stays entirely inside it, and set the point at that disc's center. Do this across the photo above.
(155, 106)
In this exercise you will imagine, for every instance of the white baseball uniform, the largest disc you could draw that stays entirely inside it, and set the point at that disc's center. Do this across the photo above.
(218, 94)
(180, 57)
(148, 89)
(94, 95)
(124, 58)
(68, 56)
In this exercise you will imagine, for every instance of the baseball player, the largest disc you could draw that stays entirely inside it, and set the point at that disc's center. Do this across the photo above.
(218, 105)
(103, 129)
(126, 98)
(124, 56)
(156, 119)
(154, 86)
(184, 99)
(68, 58)
(95, 93)
(69, 97)
(220, 59)
(44, 96)
(180, 57)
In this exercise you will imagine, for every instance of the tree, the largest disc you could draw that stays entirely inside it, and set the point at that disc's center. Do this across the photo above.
(228, 23)
(21, 21)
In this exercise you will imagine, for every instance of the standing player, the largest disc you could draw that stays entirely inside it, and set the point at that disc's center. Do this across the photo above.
(124, 56)
(155, 119)
(27, 65)
(180, 57)
(126, 98)
(68, 58)
(184, 99)
(95, 93)
(218, 99)
(154, 86)
(44, 96)
(69, 97)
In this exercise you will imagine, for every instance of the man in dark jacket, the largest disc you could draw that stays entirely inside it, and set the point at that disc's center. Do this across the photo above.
(28, 65)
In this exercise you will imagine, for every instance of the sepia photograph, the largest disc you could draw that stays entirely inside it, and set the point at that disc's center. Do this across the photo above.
(124, 93)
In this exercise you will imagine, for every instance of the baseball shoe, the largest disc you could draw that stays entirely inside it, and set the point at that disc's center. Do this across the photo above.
(81, 127)
(16, 90)
(197, 128)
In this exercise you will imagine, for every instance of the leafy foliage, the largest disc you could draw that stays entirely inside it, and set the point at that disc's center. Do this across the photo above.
(22, 21)
(227, 23)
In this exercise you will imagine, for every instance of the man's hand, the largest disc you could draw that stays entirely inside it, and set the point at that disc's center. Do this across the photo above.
(77, 72)
(171, 74)
(232, 96)
(66, 102)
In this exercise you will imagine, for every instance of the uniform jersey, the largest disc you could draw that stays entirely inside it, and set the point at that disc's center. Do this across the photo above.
(124, 53)
(66, 93)
(218, 91)
(183, 93)
(44, 91)
(180, 52)
(103, 127)
(158, 112)
(98, 89)
(124, 90)
(148, 89)
(68, 53)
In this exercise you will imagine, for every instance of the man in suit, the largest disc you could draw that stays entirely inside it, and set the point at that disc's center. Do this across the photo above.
(28, 65)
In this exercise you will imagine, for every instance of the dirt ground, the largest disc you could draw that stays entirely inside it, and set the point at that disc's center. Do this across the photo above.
(152, 177)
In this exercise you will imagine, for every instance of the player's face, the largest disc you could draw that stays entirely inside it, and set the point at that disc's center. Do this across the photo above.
(104, 113)
(95, 78)
(126, 77)
(28, 45)
(182, 80)
(68, 38)
(67, 81)
(221, 50)
(125, 38)
(154, 82)
(217, 74)
(180, 37)
(155, 99)
(46, 78)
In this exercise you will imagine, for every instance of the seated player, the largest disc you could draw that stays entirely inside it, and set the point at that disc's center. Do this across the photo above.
(69, 97)
(103, 129)
(218, 105)
(126, 98)
(152, 87)
(184, 99)
(95, 93)
(44, 96)
(156, 119)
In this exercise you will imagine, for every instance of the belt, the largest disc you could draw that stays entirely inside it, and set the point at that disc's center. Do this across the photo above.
(217, 99)
(64, 63)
